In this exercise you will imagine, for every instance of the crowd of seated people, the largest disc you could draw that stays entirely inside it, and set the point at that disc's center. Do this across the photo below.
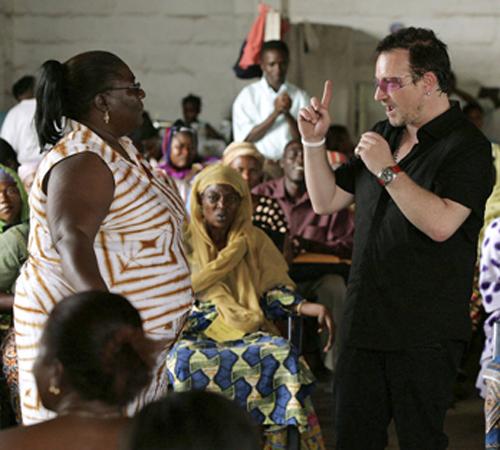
(102, 107)
(249, 222)
(240, 282)
(330, 234)
(174, 155)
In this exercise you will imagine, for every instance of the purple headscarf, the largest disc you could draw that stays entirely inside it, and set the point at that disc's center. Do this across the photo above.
(166, 148)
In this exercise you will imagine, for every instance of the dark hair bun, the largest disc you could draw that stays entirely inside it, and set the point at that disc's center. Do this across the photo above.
(98, 338)
(127, 358)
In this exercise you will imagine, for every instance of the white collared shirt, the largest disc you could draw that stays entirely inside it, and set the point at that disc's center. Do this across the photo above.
(18, 129)
(254, 104)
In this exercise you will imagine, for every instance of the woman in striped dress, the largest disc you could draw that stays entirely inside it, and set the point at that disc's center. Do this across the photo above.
(100, 220)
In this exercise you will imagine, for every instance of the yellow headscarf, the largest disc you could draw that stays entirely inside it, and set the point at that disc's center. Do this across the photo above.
(235, 277)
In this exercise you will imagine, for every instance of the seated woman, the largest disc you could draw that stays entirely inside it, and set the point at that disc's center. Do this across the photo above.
(94, 358)
(181, 160)
(267, 213)
(230, 344)
(14, 229)
(193, 421)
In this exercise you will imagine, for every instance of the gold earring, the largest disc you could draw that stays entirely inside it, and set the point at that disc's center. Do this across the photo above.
(106, 117)
(53, 389)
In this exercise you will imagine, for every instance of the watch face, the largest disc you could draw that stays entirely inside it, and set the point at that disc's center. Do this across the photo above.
(387, 175)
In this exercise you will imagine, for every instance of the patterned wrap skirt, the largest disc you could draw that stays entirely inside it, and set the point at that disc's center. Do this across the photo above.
(263, 373)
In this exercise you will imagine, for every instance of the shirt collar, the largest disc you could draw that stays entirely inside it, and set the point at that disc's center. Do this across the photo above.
(441, 125)
(265, 85)
(280, 192)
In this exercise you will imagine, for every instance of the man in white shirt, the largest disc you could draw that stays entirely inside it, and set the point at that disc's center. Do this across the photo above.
(265, 112)
(18, 129)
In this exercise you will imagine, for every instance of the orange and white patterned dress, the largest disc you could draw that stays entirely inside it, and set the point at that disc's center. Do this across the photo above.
(139, 253)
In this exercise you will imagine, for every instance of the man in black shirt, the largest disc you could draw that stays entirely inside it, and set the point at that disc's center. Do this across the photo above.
(420, 181)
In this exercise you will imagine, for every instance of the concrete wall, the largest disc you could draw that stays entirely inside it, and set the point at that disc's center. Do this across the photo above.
(5, 52)
(470, 28)
(174, 47)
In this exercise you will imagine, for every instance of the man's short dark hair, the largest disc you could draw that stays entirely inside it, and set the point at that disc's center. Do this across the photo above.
(193, 99)
(275, 45)
(23, 85)
(427, 53)
(292, 142)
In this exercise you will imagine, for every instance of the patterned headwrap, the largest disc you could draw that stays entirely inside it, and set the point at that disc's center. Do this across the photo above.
(166, 148)
(237, 149)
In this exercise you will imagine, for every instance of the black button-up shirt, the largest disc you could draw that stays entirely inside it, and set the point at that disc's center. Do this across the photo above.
(405, 289)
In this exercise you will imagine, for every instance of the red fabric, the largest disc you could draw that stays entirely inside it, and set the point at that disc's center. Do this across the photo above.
(255, 38)
(337, 157)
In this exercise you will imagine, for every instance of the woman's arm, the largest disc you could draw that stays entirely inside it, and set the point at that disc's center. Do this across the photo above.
(324, 316)
(79, 193)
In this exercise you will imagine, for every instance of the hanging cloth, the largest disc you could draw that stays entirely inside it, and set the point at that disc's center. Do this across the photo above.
(267, 26)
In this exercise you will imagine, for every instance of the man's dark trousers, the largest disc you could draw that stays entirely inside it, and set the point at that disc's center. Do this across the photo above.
(413, 387)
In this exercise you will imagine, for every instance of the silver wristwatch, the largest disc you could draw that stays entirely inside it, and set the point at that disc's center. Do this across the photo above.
(387, 174)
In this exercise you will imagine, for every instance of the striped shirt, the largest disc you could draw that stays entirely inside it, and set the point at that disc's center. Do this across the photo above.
(138, 250)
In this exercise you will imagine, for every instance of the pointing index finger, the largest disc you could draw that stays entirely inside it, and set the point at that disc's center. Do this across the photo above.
(327, 94)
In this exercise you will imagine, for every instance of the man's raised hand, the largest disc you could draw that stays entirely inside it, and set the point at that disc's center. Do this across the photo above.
(314, 119)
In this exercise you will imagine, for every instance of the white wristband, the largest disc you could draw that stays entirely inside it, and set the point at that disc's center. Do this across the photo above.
(313, 144)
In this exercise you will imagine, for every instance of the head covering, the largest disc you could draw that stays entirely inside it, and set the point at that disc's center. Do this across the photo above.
(8, 174)
(166, 148)
(235, 277)
(237, 149)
